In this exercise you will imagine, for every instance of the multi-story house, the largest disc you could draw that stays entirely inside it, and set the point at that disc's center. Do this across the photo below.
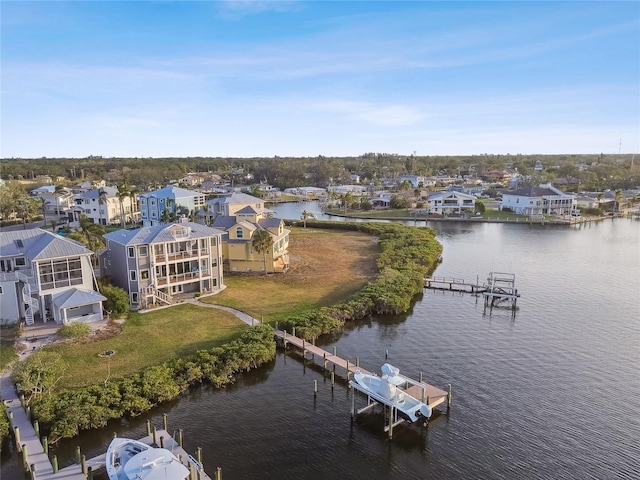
(451, 203)
(154, 264)
(544, 199)
(228, 205)
(157, 206)
(46, 277)
(104, 207)
(237, 247)
(56, 200)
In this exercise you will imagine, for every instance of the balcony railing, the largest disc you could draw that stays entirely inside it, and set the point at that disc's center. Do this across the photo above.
(182, 277)
(162, 258)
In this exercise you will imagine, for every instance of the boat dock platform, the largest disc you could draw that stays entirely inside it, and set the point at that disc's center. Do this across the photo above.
(34, 449)
(426, 393)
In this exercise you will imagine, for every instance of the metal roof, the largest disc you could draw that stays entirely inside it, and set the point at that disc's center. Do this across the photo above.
(38, 244)
(76, 297)
(161, 233)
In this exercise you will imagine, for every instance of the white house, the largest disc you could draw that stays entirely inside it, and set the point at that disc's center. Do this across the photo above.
(544, 199)
(45, 277)
(451, 203)
(104, 207)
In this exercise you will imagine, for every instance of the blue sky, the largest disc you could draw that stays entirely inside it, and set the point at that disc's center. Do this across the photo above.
(303, 78)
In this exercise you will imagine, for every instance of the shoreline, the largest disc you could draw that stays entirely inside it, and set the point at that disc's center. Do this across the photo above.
(554, 222)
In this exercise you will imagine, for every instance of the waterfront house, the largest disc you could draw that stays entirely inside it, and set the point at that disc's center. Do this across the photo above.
(46, 277)
(156, 263)
(157, 206)
(451, 203)
(544, 199)
(240, 226)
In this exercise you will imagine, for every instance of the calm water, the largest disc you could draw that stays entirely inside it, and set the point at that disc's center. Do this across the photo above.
(552, 393)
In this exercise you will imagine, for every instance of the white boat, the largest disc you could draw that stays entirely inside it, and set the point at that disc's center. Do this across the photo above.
(132, 460)
(386, 390)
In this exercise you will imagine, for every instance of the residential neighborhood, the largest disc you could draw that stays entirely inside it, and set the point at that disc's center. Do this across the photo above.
(182, 238)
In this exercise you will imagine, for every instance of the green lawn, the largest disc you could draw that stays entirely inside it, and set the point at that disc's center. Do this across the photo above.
(148, 339)
(8, 353)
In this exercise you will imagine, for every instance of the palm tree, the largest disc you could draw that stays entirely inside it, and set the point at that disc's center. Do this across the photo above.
(56, 194)
(90, 235)
(618, 199)
(304, 215)
(262, 241)
(123, 192)
(102, 200)
(133, 195)
(43, 206)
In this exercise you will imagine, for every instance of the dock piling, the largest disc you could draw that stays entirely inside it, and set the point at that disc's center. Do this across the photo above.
(155, 432)
(36, 428)
(161, 441)
(25, 457)
(16, 432)
(165, 422)
(218, 473)
(148, 428)
(45, 445)
(54, 463)
(333, 380)
(315, 388)
(83, 465)
(180, 438)
(78, 455)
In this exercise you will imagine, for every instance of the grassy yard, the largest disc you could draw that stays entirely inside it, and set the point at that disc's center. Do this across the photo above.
(8, 353)
(326, 267)
(148, 339)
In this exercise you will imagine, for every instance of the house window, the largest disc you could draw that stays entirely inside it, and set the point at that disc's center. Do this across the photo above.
(144, 274)
(60, 273)
(214, 241)
(143, 251)
(132, 252)
(1, 292)
(134, 297)
(20, 262)
(132, 275)
(214, 262)
(239, 233)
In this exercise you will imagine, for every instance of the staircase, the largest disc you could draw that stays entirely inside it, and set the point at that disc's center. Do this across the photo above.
(163, 297)
(33, 306)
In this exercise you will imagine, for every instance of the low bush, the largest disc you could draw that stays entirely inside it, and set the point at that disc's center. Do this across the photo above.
(74, 331)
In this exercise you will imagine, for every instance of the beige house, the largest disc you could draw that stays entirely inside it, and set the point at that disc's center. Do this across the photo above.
(238, 253)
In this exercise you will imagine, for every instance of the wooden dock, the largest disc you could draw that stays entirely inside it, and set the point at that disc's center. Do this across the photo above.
(327, 358)
(454, 285)
(428, 394)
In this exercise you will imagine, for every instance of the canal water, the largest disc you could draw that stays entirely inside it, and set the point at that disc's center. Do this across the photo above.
(552, 392)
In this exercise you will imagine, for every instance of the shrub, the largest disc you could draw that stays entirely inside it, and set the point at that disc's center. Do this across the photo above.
(117, 302)
(74, 331)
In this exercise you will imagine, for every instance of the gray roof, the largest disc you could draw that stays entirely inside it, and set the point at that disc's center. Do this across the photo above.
(76, 297)
(236, 198)
(38, 244)
(531, 191)
(110, 192)
(172, 191)
(270, 222)
(159, 233)
(223, 221)
(247, 210)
